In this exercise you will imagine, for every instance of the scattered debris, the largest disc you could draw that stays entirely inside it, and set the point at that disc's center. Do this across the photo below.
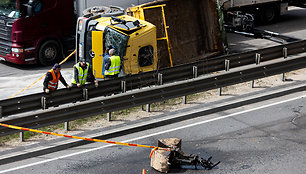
(163, 161)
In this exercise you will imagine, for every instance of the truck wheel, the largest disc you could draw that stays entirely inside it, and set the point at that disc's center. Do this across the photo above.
(49, 53)
(269, 13)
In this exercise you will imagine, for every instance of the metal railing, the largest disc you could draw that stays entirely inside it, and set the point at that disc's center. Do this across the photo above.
(182, 72)
(150, 95)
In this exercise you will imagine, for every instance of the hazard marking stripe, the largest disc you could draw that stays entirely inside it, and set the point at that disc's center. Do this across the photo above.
(46, 132)
(154, 149)
(132, 144)
(82, 138)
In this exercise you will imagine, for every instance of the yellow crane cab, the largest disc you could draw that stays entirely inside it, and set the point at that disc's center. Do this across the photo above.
(133, 39)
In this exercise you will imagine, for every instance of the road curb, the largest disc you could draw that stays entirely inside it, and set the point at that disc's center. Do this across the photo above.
(148, 123)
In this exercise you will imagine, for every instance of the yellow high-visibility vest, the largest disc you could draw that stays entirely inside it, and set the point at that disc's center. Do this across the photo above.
(115, 66)
(82, 74)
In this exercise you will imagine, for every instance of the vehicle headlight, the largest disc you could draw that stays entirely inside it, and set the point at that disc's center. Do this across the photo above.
(80, 25)
(17, 50)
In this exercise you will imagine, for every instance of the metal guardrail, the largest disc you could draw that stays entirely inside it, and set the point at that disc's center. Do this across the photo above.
(150, 95)
(182, 72)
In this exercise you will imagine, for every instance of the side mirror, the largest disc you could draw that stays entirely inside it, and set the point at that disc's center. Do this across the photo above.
(29, 10)
(32, 7)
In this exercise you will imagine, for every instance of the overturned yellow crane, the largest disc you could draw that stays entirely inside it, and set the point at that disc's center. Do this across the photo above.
(152, 36)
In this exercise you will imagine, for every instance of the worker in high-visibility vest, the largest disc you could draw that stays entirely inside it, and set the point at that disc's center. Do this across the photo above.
(52, 78)
(112, 65)
(105, 57)
(82, 74)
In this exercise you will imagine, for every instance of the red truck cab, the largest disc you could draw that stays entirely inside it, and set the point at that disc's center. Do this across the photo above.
(36, 31)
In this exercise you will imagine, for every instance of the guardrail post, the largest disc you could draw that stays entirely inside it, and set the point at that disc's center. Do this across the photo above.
(67, 126)
(195, 71)
(160, 78)
(257, 62)
(148, 107)
(43, 101)
(283, 77)
(227, 67)
(123, 86)
(195, 75)
(220, 91)
(21, 136)
(227, 64)
(85, 93)
(184, 99)
(1, 112)
(252, 83)
(109, 116)
(285, 52)
(257, 58)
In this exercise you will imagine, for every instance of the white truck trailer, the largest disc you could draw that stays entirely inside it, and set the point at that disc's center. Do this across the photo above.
(264, 11)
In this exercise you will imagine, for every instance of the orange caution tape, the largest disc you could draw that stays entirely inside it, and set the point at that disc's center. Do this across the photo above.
(155, 148)
(82, 138)
(42, 76)
(63, 61)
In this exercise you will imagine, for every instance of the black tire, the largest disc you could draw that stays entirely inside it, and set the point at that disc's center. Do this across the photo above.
(49, 53)
(269, 13)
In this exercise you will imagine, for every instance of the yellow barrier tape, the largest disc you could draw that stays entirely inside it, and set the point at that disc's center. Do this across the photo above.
(82, 138)
(42, 76)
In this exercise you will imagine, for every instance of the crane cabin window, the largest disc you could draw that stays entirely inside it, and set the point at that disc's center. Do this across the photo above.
(116, 39)
(145, 56)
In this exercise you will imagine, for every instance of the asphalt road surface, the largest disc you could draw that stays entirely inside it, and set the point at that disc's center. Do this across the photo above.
(13, 78)
(266, 137)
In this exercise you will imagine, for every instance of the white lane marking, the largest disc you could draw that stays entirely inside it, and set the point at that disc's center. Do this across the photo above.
(150, 135)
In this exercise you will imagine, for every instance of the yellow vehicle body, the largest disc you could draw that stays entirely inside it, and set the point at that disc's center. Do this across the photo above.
(140, 53)
(170, 33)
